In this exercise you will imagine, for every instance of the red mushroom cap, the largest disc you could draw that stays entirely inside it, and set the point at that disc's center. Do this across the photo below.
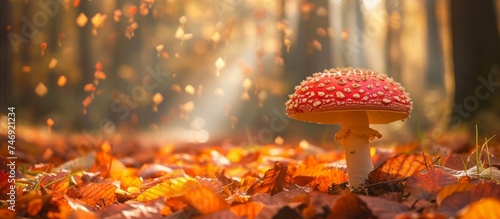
(326, 96)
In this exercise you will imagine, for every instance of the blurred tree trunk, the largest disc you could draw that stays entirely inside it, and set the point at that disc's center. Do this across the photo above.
(435, 74)
(476, 52)
(5, 59)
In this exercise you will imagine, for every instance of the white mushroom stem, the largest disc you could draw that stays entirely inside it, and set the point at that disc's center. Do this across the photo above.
(355, 136)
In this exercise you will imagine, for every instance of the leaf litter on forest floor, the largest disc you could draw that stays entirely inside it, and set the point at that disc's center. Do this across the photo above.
(254, 182)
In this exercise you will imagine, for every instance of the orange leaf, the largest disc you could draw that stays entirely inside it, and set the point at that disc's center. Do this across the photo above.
(205, 200)
(58, 182)
(275, 180)
(89, 87)
(171, 188)
(400, 166)
(350, 206)
(484, 208)
(450, 189)
(248, 210)
(459, 200)
(102, 194)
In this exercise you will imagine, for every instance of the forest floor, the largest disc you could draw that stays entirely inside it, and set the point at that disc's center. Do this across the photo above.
(56, 177)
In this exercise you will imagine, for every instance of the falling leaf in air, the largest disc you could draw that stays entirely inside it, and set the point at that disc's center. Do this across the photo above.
(86, 102)
(98, 20)
(95, 194)
(61, 81)
(179, 33)
(189, 89)
(183, 19)
(143, 9)
(132, 10)
(349, 206)
(157, 99)
(205, 200)
(219, 64)
(50, 123)
(60, 37)
(41, 89)
(216, 37)
(52, 63)
(275, 180)
(117, 14)
(159, 49)
(89, 87)
(26, 69)
(81, 20)
(170, 188)
(176, 88)
(43, 47)
(317, 45)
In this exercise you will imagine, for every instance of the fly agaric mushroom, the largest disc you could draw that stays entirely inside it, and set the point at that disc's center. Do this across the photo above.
(353, 98)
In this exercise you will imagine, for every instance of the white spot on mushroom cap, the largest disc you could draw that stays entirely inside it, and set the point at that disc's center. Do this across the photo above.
(340, 95)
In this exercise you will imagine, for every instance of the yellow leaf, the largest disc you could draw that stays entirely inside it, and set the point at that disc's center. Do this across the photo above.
(170, 188)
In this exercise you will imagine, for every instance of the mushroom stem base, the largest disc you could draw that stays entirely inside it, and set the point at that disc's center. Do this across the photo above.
(358, 159)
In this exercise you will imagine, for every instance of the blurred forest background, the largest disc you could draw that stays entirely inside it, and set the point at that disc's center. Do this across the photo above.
(203, 70)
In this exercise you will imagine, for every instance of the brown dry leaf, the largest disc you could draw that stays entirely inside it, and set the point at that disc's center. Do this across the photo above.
(101, 194)
(213, 184)
(133, 210)
(204, 200)
(4, 185)
(484, 208)
(170, 188)
(349, 206)
(425, 185)
(425, 215)
(459, 200)
(450, 189)
(248, 210)
(275, 180)
(400, 166)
